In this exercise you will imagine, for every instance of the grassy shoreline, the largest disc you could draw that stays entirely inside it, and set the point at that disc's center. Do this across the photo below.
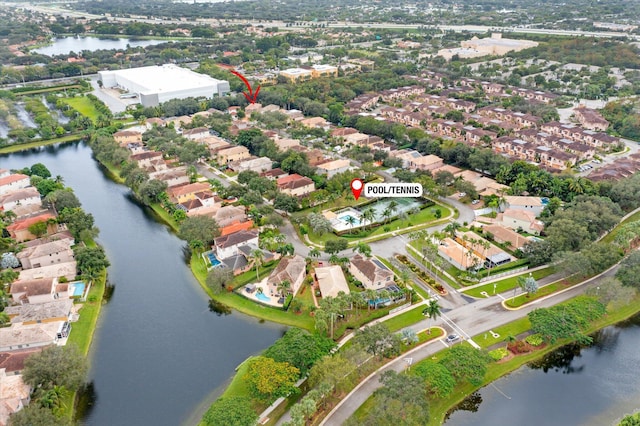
(37, 144)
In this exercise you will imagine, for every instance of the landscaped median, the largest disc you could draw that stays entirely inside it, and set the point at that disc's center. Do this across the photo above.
(438, 407)
(507, 284)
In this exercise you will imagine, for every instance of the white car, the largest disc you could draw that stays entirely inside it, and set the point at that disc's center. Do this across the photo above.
(474, 202)
(462, 194)
(452, 338)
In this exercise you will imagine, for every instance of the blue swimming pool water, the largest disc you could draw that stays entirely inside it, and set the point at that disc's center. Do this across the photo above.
(78, 289)
(345, 218)
(213, 259)
(263, 297)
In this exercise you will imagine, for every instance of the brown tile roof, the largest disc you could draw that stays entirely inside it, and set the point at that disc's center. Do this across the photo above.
(32, 287)
(14, 360)
(235, 238)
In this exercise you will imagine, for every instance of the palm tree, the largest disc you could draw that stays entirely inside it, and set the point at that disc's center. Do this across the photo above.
(314, 252)
(452, 228)
(387, 214)
(283, 287)
(257, 255)
(509, 339)
(334, 259)
(369, 214)
(393, 206)
(350, 221)
(370, 295)
(432, 311)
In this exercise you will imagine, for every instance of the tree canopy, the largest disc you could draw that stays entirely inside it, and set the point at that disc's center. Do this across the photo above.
(56, 366)
(231, 411)
(269, 379)
(200, 228)
(300, 349)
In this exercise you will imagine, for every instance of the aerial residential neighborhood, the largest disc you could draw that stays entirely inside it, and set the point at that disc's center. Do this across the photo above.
(319, 212)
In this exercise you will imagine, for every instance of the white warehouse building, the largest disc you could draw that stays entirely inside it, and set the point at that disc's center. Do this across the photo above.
(157, 84)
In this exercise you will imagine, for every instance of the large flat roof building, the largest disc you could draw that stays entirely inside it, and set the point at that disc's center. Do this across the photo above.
(157, 84)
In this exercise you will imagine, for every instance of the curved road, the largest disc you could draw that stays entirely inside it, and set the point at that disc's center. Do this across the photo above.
(472, 319)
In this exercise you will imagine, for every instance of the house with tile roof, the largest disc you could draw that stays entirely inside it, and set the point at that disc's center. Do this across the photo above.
(292, 269)
(20, 197)
(13, 182)
(34, 291)
(331, 281)
(370, 272)
(228, 245)
(295, 185)
(47, 253)
(19, 229)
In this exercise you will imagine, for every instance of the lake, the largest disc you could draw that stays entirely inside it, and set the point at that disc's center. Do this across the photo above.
(591, 386)
(159, 354)
(66, 45)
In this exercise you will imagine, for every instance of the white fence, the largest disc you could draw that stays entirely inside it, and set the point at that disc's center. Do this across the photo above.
(504, 274)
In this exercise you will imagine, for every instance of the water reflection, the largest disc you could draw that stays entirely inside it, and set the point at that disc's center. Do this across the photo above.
(470, 404)
(218, 308)
(109, 289)
(87, 398)
(559, 360)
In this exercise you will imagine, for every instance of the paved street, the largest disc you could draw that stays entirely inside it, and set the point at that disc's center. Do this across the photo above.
(473, 319)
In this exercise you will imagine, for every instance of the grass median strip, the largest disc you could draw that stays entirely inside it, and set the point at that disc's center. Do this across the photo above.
(508, 283)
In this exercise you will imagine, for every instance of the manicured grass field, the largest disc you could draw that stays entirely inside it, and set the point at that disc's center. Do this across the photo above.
(508, 283)
(35, 144)
(512, 329)
(406, 319)
(84, 106)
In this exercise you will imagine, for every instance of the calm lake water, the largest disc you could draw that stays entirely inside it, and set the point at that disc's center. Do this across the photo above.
(593, 386)
(66, 45)
(159, 354)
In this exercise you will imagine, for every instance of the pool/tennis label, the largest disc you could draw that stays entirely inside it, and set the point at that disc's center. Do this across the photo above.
(388, 189)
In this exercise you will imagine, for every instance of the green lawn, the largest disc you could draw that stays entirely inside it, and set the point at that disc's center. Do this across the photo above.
(49, 89)
(405, 319)
(612, 235)
(35, 144)
(514, 328)
(248, 307)
(84, 106)
(508, 283)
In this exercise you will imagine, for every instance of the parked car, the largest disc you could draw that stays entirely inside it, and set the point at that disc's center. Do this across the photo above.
(452, 338)
(474, 202)
(462, 194)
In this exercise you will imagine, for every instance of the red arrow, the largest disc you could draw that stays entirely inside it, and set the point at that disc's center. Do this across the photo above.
(251, 97)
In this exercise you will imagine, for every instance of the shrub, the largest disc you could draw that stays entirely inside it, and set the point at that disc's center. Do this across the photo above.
(534, 339)
(519, 347)
(498, 354)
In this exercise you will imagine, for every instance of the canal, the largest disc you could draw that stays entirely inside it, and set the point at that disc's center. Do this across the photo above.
(159, 355)
(574, 385)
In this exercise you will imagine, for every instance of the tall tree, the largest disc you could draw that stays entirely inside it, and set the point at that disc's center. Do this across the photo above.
(432, 311)
(55, 366)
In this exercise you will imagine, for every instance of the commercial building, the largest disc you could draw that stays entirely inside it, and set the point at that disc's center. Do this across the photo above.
(157, 84)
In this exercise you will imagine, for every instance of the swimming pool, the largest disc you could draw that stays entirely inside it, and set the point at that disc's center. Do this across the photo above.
(76, 289)
(348, 217)
(213, 259)
(263, 297)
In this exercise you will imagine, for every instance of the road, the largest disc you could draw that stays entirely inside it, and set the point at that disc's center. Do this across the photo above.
(470, 320)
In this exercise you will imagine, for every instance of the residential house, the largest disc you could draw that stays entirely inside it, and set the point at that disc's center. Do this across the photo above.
(196, 134)
(258, 165)
(292, 269)
(48, 253)
(457, 254)
(20, 197)
(126, 137)
(505, 235)
(531, 204)
(233, 153)
(236, 227)
(274, 174)
(146, 159)
(14, 182)
(172, 177)
(34, 291)
(37, 313)
(315, 122)
(180, 194)
(521, 220)
(179, 122)
(370, 272)
(295, 185)
(154, 121)
(14, 395)
(331, 281)
(19, 229)
(32, 336)
(228, 215)
(57, 270)
(4, 173)
(332, 168)
(426, 162)
(227, 245)
(284, 144)
(253, 108)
